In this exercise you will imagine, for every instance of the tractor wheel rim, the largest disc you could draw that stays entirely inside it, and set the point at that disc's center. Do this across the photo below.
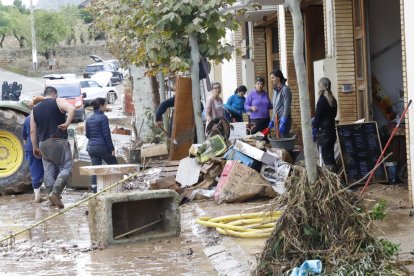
(11, 153)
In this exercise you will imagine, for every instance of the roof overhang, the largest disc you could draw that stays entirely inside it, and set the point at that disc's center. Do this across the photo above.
(268, 7)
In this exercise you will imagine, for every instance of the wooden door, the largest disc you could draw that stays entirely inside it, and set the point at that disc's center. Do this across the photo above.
(314, 45)
(272, 53)
(361, 61)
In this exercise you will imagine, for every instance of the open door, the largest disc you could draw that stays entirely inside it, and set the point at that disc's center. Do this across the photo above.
(361, 61)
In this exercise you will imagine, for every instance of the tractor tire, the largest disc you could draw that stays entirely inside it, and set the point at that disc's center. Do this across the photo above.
(14, 170)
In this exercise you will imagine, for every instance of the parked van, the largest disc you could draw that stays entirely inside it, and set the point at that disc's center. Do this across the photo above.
(70, 90)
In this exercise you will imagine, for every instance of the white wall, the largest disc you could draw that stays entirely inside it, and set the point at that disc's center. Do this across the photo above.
(229, 75)
(225, 72)
(409, 44)
(282, 40)
(384, 30)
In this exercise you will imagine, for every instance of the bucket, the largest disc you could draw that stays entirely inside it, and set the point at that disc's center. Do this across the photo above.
(391, 171)
(283, 143)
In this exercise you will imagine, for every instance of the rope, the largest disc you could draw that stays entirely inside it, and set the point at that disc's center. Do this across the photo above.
(13, 235)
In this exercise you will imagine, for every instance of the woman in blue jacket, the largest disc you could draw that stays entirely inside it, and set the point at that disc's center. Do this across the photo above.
(234, 107)
(100, 146)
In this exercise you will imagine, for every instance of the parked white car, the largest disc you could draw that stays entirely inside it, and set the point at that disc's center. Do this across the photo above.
(96, 87)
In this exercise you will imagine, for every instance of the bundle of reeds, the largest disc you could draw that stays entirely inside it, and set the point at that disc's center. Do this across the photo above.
(327, 222)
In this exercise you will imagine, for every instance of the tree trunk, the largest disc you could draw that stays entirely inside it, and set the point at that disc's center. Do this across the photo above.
(195, 81)
(20, 39)
(2, 40)
(155, 91)
(301, 74)
(161, 82)
(143, 103)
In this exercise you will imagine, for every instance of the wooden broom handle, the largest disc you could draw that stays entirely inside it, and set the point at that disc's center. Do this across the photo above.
(277, 126)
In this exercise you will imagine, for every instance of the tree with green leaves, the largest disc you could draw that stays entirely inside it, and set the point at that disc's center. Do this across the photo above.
(19, 5)
(51, 29)
(73, 18)
(5, 26)
(20, 25)
(169, 36)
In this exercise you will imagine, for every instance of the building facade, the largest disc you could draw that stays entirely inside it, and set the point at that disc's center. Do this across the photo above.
(363, 46)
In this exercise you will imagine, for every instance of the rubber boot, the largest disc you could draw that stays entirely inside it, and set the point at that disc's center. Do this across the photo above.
(54, 196)
(38, 197)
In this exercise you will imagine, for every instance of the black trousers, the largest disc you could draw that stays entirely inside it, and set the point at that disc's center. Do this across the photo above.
(326, 141)
(96, 159)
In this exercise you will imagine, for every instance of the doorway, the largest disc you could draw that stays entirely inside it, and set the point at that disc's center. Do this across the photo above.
(379, 76)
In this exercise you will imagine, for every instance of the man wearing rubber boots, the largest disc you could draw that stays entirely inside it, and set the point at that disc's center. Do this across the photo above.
(48, 130)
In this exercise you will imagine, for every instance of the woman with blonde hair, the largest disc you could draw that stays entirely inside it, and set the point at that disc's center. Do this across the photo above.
(214, 104)
(323, 123)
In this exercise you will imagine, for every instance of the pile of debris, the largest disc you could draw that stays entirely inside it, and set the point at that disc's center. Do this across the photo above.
(223, 171)
(326, 222)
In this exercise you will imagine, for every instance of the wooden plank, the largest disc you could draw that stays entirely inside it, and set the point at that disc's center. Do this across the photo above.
(153, 151)
(170, 169)
(183, 123)
(109, 169)
(166, 174)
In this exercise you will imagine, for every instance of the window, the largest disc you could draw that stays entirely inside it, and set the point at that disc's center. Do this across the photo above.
(84, 84)
(93, 84)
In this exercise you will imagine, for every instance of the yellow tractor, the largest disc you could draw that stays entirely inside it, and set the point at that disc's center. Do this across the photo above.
(14, 169)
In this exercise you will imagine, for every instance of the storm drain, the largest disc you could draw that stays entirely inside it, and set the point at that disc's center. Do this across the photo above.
(128, 217)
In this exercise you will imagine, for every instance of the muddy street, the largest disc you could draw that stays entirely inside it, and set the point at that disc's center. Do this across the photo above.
(62, 246)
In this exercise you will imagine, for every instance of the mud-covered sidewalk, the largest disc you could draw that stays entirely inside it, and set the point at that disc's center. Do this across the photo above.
(62, 246)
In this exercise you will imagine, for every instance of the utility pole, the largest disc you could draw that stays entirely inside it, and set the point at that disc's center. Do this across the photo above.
(34, 50)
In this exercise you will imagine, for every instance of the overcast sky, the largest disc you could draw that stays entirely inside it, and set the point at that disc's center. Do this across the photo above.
(25, 2)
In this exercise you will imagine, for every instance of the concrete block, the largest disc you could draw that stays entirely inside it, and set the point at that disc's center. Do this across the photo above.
(112, 215)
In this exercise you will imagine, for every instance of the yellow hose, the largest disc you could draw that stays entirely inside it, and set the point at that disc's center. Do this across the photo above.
(249, 225)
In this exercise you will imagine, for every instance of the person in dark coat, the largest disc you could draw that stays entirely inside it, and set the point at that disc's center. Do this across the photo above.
(100, 146)
(162, 109)
(323, 124)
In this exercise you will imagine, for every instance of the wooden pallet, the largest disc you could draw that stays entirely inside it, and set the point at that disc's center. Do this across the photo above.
(168, 168)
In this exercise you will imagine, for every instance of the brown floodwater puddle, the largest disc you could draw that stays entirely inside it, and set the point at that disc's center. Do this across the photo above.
(62, 245)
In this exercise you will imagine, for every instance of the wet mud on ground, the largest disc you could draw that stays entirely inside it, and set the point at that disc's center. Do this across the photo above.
(62, 245)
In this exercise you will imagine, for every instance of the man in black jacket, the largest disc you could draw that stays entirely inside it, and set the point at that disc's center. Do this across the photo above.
(162, 109)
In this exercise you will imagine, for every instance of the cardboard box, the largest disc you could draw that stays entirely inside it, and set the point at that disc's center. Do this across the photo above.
(239, 183)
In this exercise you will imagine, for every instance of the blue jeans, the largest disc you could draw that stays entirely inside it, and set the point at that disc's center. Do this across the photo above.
(56, 156)
(97, 156)
(36, 169)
